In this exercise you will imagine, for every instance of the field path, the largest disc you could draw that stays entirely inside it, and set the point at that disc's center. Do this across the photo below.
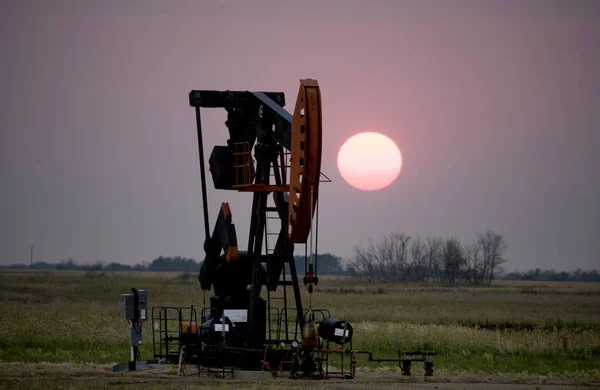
(65, 376)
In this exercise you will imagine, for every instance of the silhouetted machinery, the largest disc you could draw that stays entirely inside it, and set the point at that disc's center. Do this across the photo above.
(256, 319)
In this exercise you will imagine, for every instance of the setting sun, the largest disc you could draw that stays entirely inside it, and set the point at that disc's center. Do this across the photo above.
(369, 161)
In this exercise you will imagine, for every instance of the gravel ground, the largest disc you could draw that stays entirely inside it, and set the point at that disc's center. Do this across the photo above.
(65, 376)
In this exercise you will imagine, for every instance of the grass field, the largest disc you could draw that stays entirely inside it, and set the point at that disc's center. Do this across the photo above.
(524, 328)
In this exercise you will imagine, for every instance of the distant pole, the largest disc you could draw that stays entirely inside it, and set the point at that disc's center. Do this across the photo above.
(31, 257)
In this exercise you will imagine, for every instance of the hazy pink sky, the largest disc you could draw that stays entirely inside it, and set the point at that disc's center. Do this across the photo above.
(494, 105)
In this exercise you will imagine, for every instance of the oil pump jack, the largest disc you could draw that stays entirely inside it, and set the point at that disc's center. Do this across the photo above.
(275, 156)
(287, 149)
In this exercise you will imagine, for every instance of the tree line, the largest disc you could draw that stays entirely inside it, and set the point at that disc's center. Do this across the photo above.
(578, 275)
(327, 263)
(396, 258)
(161, 263)
(399, 258)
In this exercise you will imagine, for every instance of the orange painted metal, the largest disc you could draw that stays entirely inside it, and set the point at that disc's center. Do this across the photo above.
(189, 327)
(226, 209)
(241, 156)
(232, 251)
(305, 160)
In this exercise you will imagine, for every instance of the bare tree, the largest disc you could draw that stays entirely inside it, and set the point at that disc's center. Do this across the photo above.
(384, 262)
(362, 266)
(453, 260)
(397, 244)
(375, 259)
(434, 257)
(418, 253)
(493, 247)
(394, 260)
(475, 272)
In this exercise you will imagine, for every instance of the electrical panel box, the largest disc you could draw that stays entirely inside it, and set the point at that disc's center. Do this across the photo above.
(134, 306)
(127, 310)
(143, 305)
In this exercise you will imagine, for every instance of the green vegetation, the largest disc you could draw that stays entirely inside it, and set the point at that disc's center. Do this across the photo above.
(541, 328)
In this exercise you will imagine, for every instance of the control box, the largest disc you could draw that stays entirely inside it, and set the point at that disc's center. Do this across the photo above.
(134, 306)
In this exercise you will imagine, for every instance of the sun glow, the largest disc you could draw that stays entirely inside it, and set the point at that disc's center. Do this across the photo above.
(369, 161)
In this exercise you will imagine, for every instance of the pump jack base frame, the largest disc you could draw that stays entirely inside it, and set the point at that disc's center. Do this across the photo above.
(131, 366)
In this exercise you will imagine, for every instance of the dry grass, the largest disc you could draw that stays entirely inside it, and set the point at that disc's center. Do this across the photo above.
(520, 305)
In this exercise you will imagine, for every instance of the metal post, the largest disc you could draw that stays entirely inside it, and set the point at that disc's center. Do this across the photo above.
(132, 359)
(31, 257)
(317, 242)
(133, 325)
(202, 178)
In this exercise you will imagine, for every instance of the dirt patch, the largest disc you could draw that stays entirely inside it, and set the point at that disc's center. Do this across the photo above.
(65, 376)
